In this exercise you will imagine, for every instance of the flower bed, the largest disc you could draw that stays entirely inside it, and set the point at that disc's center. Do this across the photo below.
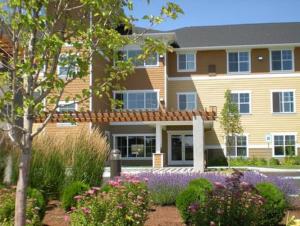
(164, 188)
(123, 201)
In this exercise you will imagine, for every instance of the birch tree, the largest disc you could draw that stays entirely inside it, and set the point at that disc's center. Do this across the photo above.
(38, 32)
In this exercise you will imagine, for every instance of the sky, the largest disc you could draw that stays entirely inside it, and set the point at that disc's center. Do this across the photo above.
(220, 12)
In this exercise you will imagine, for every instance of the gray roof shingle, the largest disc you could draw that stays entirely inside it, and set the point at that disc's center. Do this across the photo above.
(237, 35)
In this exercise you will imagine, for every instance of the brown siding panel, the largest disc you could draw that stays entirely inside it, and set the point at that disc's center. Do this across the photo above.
(297, 58)
(260, 66)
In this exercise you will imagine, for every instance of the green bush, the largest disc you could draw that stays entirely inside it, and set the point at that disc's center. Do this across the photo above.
(70, 191)
(127, 202)
(291, 161)
(261, 162)
(275, 203)
(40, 200)
(7, 208)
(274, 162)
(194, 194)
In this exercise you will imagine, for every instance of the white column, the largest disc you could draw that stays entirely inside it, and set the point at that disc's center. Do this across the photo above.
(158, 140)
(198, 139)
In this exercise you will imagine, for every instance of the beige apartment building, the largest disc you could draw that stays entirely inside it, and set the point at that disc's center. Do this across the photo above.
(173, 97)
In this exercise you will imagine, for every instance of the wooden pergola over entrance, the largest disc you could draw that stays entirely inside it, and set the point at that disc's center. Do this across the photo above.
(128, 116)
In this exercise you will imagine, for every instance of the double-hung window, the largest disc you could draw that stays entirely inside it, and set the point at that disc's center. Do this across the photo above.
(64, 106)
(242, 100)
(186, 101)
(236, 146)
(284, 145)
(67, 66)
(186, 62)
(283, 101)
(282, 60)
(136, 100)
(239, 62)
(151, 61)
(135, 146)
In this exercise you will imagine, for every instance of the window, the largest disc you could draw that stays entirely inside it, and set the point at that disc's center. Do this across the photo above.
(136, 100)
(186, 62)
(66, 66)
(284, 145)
(236, 146)
(135, 146)
(238, 62)
(283, 102)
(66, 106)
(282, 60)
(242, 99)
(186, 101)
(152, 60)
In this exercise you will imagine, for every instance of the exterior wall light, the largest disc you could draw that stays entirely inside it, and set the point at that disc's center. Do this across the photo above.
(260, 58)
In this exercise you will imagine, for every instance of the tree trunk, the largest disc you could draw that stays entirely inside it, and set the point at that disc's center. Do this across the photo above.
(8, 170)
(20, 206)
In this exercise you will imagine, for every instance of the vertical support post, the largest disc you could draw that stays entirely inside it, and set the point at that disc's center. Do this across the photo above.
(198, 139)
(158, 157)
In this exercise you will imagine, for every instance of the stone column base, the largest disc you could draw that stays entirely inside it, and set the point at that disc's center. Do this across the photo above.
(158, 160)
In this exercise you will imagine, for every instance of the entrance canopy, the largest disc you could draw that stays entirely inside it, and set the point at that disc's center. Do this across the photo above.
(128, 116)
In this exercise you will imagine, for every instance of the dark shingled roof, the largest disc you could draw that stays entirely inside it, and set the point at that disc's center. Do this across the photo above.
(236, 35)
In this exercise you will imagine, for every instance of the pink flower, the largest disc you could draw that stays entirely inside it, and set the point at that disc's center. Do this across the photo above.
(96, 188)
(78, 197)
(91, 192)
(219, 185)
(86, 210)
(66, 218)
(114, 183)
(73, 208)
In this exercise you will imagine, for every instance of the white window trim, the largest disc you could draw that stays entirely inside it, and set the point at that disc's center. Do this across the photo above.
(283, 90)
(140, 67)
(58, 66)
(187, 93)
(137, 91)
(283, 134)
(66, 124)
(239, 72)
(281, 49)
(250, 99)
(129, 135)
(195, 61)
(247, 147)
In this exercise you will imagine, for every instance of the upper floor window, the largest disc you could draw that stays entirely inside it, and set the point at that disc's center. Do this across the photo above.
(186, 101)
(284, 145)
(66, 66)
(136, 100)
(282, 60)
(239, 62)
(283, 101)
(152, 60)
(242, 99)
(64, 106)
(186, 62)
(236, 146)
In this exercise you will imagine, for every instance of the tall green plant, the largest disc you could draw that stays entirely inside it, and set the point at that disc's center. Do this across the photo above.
(230, 121)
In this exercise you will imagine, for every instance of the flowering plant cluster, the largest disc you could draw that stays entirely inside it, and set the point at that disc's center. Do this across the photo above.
(7, 208)
(123, 201)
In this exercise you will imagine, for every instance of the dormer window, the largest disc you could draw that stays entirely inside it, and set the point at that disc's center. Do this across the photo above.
(239, 62)
(186, 62)
(282, 60)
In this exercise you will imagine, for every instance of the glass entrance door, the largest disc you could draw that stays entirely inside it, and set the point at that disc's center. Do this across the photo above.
(181, 149)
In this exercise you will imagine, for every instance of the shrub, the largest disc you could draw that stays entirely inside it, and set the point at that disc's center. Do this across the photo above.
(7, 208)
(70, 191)
(274, 162)
(291, 161)
(39, 199)
(195, 194)
(125, 203)
(275, 204)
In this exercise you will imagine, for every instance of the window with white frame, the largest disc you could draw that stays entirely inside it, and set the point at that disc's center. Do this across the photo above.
(67, 66)
(284, 145)
(283, 101)
(282, 60)
(236, 146)
(64, 106)
(242, 100)
(186, 101)
(186, 61)
(136, 100)
(239, 62)
(135, 146)
(133, 54)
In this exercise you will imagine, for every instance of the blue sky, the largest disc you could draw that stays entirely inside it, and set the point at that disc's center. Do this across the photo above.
(218, 12)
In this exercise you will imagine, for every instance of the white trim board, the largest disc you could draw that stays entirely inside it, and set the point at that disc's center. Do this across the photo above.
(234, 77)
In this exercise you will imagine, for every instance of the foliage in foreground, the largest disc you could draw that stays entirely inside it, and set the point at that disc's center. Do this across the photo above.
(59, 161)
(125, 202)
(287, 161)
(232, 203)
(35, 207)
